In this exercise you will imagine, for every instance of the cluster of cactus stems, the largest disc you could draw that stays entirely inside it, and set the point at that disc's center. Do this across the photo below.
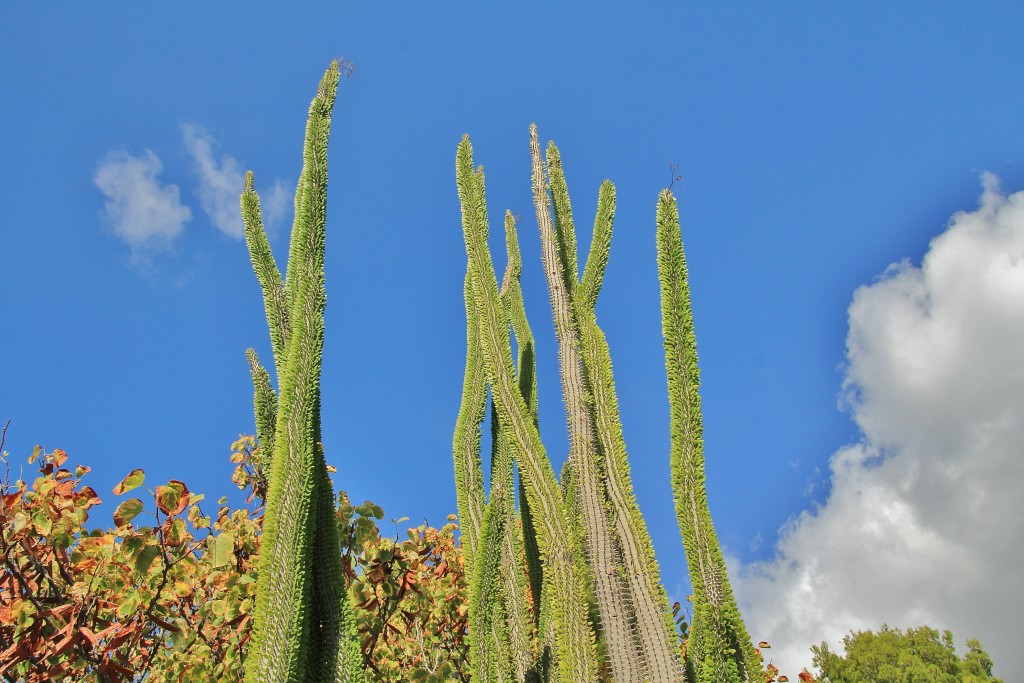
(565, 589)
(568, 590)
(304, 627)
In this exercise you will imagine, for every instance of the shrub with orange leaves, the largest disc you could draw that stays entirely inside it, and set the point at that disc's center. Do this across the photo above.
(167, 594)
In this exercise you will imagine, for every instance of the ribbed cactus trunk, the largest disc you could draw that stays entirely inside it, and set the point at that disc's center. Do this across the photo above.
(564, 583)
(303, 626)
(582, 550)
(719, 648)
(634, 622)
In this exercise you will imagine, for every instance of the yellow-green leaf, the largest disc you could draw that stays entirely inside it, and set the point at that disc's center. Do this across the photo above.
(127, 511)
(129, 603)
(222, 548)
(132, 481)
(145, 558)
(42, 523)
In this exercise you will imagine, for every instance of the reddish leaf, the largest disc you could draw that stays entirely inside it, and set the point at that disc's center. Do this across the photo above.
(173, 498)
(90, 496)
(174, 531)
(90, 636)
(166, 625)
(10, 499)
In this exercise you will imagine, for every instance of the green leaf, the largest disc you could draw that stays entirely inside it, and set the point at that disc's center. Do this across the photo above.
(128, 605)
(369, 509)
(222, 548)
(145, 559)
(127, 511)
(132, 481)
(42, 523)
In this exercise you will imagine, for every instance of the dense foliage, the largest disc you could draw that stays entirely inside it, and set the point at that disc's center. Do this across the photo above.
(895, 656)
(167, 594)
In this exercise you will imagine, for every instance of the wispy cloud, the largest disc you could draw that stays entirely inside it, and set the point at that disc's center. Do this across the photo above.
(220, 183)
(148, 216)
(923, 523)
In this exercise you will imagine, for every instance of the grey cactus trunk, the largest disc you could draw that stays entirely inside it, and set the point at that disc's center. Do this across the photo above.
(303, 625)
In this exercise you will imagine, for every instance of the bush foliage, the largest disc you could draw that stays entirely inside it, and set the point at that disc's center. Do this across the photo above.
(167, 594)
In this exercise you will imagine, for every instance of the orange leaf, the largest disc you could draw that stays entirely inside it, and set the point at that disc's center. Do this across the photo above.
(90, 496)
(59, 456)
(90, 636)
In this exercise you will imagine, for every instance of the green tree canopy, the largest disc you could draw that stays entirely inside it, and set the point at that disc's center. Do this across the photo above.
(918, 655)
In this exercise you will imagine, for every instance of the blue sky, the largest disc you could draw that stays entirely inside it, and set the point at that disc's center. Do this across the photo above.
(819, 143)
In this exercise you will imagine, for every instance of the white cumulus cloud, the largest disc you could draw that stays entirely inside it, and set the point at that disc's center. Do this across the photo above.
(925, 520)
(220, 184)
(148, 216)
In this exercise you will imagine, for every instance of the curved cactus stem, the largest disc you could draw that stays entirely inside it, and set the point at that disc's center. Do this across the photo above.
(469, 486)
(267, 273)
(515, 560)
(558, 249)
(303, 625)
(719, 648)
(265, 409)
(651, 619)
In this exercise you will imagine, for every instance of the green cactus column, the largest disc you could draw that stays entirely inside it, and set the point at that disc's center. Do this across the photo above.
(635, 624)
(719, 648)
(558, 243)
(303, 625)
(564, 583)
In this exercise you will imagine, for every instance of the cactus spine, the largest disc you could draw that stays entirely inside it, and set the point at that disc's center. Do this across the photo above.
(304, 628)
(719, 648)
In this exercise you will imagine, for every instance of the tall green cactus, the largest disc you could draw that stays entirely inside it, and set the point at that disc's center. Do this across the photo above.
(634, 622)
(592, 537)
(304, 628)
(603, 541)
(563, 582)
(719, 648)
